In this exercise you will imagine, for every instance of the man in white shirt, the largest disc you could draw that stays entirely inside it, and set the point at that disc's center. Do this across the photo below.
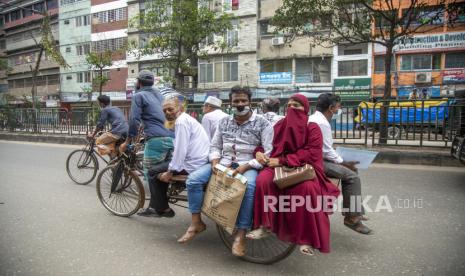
(191, 147)
(212, 115)
(329, 106)
(270, 108)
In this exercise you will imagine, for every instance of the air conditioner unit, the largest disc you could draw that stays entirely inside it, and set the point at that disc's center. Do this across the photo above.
(423, 77)
(277, 41)
(188, 82)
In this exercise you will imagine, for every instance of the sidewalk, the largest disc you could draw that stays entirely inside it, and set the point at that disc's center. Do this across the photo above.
(387, 154)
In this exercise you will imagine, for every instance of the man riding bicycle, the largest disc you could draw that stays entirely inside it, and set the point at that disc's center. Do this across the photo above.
(119, 126)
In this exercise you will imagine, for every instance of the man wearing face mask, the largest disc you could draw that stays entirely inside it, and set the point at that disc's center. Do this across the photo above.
(146, 109)
(233, 145)
(328, 107)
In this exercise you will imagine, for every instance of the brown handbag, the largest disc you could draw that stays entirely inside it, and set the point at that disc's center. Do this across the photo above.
(285, 177)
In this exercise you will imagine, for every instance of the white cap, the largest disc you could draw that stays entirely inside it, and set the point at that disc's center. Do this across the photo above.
(213, 101)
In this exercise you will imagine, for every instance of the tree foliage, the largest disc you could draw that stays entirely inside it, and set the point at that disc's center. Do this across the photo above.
(177, 32)
(99, 61)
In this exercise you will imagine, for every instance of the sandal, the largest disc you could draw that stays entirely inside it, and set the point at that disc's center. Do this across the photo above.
(258, 233)
(359, 227)
(239, 247)
(191, 233)
(307, 250)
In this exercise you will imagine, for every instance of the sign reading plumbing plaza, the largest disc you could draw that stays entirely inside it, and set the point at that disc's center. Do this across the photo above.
(430, 42)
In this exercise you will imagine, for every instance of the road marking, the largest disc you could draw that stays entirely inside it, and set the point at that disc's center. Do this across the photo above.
(42, 144)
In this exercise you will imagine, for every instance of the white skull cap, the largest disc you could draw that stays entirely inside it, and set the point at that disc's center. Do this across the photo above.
(213, 101)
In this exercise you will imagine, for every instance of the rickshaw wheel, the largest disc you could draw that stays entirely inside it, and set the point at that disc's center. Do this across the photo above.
(267, 250)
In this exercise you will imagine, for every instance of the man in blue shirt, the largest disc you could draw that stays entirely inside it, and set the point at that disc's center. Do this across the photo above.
(146, 109)
(119, 126)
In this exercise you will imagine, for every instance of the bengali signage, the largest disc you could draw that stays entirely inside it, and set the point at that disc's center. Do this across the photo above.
(353, 89)
(443, 41)
(453, 76)
(276, 78)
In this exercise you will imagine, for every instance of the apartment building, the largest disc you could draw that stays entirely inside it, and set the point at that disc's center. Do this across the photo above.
(109, 26)
(432, 62)
(75, 44)
(22, 27)
(137, 61)
(3, 73)
(237, 65)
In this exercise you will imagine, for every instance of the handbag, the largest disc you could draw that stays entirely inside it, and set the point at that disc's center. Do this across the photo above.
(285, 177)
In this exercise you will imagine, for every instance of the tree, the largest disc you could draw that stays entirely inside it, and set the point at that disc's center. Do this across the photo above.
(383, 22)
(48, 46)
(179, 29)
(98, 62)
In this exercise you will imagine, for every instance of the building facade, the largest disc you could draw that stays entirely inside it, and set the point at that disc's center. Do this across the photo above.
(432, 62)
(109, 26)
(22, 33)
(237, 65)
(75, 45)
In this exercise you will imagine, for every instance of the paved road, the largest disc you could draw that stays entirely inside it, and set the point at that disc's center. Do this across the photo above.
(49, 226)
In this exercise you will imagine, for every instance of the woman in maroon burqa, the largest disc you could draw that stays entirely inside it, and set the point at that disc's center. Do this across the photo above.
(296, 143)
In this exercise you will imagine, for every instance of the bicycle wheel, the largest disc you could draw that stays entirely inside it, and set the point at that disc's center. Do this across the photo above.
(121, 193)
(267, 250)
(82, 166)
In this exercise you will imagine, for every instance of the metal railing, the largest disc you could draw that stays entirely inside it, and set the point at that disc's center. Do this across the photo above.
(410, 123)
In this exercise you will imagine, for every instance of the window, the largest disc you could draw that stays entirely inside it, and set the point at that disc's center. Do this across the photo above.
(265, 28)
(205, 71)
(83, 77)
(27, 11)
(359, 49)
(68, 49)
(218, 69)
(420, 62)
(379, 64)
(230, 68)
(312, 70)
(7, 17)
(2, 44)
(66, 22)
(228, 5)
(82, 20)
(282, 65)
(52, 4)
(353, 68)
(39, 7)
(53, 79)
(455, 60)
(232, 35)
(69, 77)
(109, 44)
(15, 15)
(111, 15)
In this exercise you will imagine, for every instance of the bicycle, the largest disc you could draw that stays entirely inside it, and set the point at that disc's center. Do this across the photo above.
(86, 162)
(119, 187)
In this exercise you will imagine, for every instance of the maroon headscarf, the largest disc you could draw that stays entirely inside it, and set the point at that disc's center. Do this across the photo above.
(290, 132)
